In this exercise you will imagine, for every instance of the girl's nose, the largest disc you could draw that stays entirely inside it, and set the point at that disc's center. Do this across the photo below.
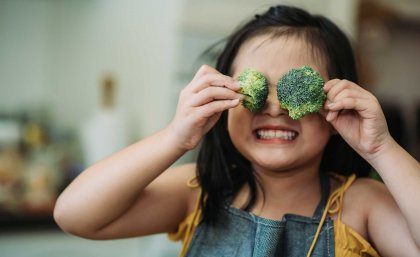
(272, 105)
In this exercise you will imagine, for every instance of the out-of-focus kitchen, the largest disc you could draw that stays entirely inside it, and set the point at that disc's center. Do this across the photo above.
(82, 79)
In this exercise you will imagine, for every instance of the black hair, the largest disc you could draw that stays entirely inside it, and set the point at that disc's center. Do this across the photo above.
(221, 169)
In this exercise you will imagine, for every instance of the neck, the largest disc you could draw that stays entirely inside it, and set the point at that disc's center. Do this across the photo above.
(284, 183)
(283, 192)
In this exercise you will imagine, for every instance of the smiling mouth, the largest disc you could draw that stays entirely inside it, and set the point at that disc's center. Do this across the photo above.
(274, 134)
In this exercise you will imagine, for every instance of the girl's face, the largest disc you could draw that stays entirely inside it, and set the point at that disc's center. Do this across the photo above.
(270, 139)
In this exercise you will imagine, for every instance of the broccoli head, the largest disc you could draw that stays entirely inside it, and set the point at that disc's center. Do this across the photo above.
(255, 89)
(301, 92)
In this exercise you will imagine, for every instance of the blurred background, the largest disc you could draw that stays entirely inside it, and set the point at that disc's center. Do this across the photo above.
(80, 79)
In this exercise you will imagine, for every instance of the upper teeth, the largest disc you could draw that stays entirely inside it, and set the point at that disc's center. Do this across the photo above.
(280, 134)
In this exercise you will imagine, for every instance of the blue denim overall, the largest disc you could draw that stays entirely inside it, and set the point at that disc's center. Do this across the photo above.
(240, 233)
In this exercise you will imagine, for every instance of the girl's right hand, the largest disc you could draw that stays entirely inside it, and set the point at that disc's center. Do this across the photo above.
(200, 105)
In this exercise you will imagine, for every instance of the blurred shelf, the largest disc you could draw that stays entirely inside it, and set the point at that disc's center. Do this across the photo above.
(26, 221)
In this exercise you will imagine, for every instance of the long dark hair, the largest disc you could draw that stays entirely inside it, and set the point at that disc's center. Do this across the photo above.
(221, 169)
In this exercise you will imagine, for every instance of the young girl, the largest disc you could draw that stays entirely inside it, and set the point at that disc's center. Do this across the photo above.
(264, 184)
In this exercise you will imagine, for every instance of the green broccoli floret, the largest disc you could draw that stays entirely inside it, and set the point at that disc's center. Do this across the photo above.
(255, 89)
(301, 92)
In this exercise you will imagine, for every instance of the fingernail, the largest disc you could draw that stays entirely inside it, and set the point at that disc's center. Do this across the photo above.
(235, 102)
(328, 118)
(240, 96)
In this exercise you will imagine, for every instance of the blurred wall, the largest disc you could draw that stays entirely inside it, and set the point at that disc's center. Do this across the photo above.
(24, 53)
(55, 53)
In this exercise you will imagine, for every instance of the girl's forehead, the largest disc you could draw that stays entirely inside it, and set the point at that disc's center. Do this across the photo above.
(275, 56)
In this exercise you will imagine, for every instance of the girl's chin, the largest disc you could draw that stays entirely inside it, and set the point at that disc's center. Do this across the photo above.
(274, 165)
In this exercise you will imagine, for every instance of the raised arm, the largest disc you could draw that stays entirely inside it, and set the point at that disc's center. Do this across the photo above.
(393, 216)
(129, 193)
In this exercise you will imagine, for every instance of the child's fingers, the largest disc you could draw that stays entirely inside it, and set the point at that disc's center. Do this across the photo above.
(215, 79)
(204, 69)
(215, 107)
(345, 93)
(348, 103)
(331, 115)
(336, 87)
(344, 97)
(213, 93)
(208, 76)
(329, 84)
(324, 111)
(366, 109)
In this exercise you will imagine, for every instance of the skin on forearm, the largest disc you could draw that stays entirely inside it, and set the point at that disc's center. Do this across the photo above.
(401, 174)
(107, 189)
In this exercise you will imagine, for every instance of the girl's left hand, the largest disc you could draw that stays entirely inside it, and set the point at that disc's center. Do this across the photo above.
(357, 116)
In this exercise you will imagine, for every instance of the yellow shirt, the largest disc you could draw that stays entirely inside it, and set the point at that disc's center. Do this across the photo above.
(348, 243)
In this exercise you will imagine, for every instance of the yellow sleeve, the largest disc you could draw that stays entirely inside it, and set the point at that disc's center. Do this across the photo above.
(349, 243)
(187, 227)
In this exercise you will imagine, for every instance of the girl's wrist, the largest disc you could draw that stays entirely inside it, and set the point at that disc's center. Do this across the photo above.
(385, 153)
(172, 139)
